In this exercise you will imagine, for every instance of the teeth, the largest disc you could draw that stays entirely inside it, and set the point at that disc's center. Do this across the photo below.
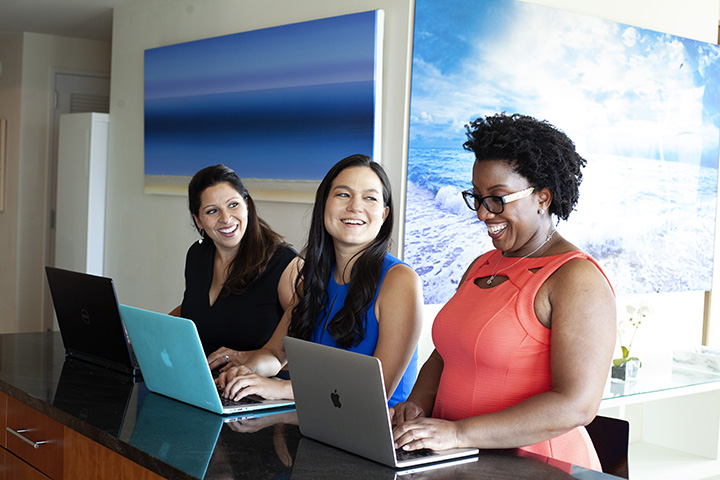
(229, 229)
(353, 222)
(493, 229)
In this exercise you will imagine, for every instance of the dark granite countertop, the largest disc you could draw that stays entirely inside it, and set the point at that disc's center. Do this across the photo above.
(179, 441)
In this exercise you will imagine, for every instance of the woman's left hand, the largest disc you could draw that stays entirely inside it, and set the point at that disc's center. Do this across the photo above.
(431, 433)
(225, 358)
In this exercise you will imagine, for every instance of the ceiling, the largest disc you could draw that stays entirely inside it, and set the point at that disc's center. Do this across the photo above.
(91, 19)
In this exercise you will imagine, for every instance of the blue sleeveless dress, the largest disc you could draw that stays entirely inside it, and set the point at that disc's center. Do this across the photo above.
(336, 299)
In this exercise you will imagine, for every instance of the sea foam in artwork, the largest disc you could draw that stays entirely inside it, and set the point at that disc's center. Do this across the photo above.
(649, 223)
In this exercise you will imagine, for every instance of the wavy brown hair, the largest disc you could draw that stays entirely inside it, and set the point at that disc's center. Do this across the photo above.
(259, 242)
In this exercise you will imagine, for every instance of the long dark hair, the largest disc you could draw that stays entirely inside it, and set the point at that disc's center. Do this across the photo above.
(259, 241)
(348, 325)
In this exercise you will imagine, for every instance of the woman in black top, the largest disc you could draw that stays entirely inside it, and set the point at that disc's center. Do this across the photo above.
(240, 275)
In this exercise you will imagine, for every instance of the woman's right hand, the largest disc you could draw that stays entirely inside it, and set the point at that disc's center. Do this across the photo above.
(248, 384)
(405, 411)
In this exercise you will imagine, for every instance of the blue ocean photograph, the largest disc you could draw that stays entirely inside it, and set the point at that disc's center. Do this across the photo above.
(280, 103)
(642, 107)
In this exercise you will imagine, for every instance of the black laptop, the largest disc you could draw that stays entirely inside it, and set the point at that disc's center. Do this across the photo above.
(97, 395)
(87, 313)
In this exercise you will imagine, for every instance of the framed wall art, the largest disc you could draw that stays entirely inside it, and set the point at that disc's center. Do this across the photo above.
(279, 105)
(643, 108)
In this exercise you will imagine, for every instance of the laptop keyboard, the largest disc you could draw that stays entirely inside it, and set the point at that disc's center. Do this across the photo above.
(228, 402)
(401, 454)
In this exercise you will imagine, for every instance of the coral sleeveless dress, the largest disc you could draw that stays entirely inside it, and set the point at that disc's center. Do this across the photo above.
(496, 352)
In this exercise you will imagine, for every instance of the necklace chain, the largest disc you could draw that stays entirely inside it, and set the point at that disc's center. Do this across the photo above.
(495, 274)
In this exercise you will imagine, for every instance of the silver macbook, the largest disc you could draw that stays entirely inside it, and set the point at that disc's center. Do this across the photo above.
(340, 400)
(173, 362)
(312, 460)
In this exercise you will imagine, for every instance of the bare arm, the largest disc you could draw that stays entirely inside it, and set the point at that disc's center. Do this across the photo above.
(399, 313)
(267, 361)
(286, 285)
(421, 400)
(251, 378)
(286, 296)
(582, 311)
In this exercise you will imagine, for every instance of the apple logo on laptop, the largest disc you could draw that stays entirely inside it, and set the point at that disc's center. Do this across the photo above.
(335, 397)
(166, 358)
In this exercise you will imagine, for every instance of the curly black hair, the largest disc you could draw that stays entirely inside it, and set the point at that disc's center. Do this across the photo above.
(535, 149)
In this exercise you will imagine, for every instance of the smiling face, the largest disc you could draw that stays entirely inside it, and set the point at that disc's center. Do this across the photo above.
(355, 211)
(223, 215)
(520, 228)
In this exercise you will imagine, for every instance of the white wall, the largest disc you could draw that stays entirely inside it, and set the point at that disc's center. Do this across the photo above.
(10, 79)
(32, 58)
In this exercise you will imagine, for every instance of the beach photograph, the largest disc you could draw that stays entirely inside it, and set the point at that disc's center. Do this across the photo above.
(642, 107)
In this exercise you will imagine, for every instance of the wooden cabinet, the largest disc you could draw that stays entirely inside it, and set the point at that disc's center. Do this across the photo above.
(35, 438)
(43, 449)
(3, 419)
(12, 468)
(85, 459)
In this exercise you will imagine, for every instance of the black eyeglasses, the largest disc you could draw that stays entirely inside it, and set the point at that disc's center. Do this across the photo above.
(493, 203)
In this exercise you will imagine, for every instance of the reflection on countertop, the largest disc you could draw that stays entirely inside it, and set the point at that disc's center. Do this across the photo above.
(180, 441)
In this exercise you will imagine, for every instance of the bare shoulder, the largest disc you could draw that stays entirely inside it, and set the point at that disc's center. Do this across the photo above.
(401, 276)
(293, 268)
(581, 268)
(580, 275)
(401, 286)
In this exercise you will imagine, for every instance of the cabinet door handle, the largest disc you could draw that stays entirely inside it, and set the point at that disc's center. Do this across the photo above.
(18, 433)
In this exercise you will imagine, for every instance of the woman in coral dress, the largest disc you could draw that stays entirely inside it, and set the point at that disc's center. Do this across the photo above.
(524, 346)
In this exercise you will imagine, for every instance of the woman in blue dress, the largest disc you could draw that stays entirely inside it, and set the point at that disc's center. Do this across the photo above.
(351, 293)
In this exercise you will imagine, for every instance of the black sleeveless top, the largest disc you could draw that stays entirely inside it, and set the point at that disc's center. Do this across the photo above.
(241, 322)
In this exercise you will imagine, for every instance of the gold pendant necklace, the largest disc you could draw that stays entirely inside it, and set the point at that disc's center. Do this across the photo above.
(495, 274)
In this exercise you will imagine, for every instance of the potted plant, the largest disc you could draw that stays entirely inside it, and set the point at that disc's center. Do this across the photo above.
(626, 367)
